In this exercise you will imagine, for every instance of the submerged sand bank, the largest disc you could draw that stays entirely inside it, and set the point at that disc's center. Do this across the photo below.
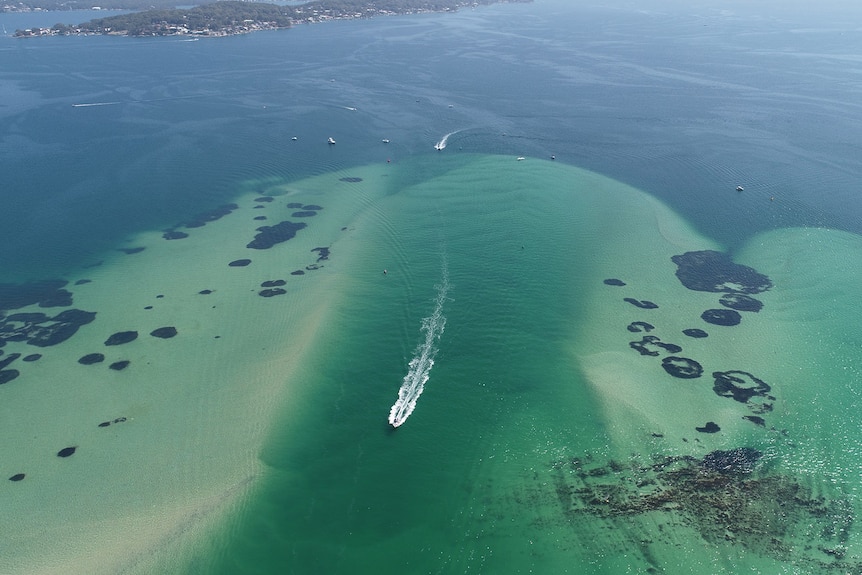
(167, 445)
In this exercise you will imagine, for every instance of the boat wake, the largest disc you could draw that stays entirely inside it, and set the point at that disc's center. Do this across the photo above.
(442, 143)
(95, 104)
(419, 368)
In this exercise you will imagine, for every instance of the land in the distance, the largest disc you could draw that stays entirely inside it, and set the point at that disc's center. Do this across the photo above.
(234, 17)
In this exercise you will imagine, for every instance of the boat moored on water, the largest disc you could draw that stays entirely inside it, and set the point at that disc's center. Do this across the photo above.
(330, 141)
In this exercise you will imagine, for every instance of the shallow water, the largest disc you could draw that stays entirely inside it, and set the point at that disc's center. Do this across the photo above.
(542, 442)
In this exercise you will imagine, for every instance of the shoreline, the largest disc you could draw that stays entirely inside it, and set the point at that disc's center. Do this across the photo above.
(247, 19)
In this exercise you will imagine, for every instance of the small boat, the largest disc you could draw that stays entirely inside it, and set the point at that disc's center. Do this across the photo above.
(294, 138)
(521, 158)
(739, 188)
(330, 141)
(385, 140)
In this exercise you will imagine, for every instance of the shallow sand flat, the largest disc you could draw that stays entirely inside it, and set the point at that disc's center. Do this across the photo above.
(194, 408)
(803, 343)
(535, 389)
(635, 237)
(815, 347)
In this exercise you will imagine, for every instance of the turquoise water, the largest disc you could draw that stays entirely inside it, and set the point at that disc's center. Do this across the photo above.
(542, 441)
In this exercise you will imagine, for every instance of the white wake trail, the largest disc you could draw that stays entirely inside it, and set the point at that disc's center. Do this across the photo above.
(419, 368)
(95, 104)
(442, 143)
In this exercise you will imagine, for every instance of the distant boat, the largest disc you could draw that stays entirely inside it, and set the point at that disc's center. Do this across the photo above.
(739, 188)
(385, 140)
(521, 158)
(330, 141)
(294, 138)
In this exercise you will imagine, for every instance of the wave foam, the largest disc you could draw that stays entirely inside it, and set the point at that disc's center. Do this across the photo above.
(419, 368)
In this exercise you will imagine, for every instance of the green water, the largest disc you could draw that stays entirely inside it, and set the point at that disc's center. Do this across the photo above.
(468, 483)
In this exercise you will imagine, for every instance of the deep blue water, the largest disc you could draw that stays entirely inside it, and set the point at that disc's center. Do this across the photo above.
(684, 102)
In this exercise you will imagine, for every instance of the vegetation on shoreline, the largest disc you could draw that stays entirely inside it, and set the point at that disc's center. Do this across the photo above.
(231, 17)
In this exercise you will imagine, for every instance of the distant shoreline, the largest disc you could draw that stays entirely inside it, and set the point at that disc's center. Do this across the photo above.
(230, 18)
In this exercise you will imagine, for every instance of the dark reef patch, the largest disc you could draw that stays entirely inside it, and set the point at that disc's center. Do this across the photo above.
(739, 460)
(271, 292)
(208, 216)
(42, 331)
(643, 304)
(713, 271)
(82, 282)
(130, 251)
(322, 253)
(682, 367)
(92, 358)
(350, 179)
(303, 214)
(120, 365)
(171, 234)
(312, 207)
(108, 423)
(725, 317)
(32, 357)
(740, 385)
(297, 273)
(28, 317)
(9, 359)
(651, 344)
(259, 218)
(755, 419)
(205, 292)
(61, 298)
(8, 375)
(122, 337)
(66, 451)
(272, 235)
(240, 263)
(264, 199)
(166, 332)
(614, 282)
(695, 333)
(43, 293)
(741, 302)
(272, 283)
(17, 477)
(710, 427)
(294, 205)
(639, 326)
(727, 499)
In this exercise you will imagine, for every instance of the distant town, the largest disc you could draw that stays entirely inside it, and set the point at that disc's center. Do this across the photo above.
(228, 18)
